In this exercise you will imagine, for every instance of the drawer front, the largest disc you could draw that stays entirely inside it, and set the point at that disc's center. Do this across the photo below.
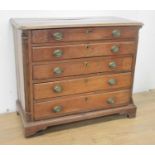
(81, 67)
(82, 103)
(49, 53)
(81, 85)
(83, 34)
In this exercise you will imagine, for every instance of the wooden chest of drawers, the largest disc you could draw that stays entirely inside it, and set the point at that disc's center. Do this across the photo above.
(74, 69)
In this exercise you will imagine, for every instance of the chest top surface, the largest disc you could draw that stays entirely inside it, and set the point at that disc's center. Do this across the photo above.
(42, 23)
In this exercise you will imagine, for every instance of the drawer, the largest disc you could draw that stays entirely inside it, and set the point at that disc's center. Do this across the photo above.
(82, 103)
(83, 34)
(49, 53)
(81, 67)
(81, 85)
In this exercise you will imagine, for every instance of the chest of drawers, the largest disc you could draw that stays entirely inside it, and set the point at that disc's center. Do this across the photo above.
(74, 69)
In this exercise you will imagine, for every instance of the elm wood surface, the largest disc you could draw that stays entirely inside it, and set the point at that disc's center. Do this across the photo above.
(81, 85)
(22, 41)
(19, 66)
(32, 92)
(81, 103)
(45, 23)
(46, 53)
(80, 67)
(83, 34)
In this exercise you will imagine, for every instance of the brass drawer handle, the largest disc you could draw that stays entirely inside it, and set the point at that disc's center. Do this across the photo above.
(115, 49)
(112, 65)
(57, 89)
(111, 100)
(57, 53)
(57, 109)
(116, 33)
(112, 82)
(58, 71)
(58, 36)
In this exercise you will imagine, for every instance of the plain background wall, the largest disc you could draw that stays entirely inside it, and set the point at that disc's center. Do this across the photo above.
(144, 75)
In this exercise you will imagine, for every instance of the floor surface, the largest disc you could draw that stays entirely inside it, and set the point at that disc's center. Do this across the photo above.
(106, 130)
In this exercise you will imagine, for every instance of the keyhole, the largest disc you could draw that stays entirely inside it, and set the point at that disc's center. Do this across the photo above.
(87, 46)
(86, 64)
(86, 99)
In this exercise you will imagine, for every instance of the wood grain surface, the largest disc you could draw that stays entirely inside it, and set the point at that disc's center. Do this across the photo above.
(89, 49)
(83, 34)
(81, 103)
(82, 85)
(42, 23)
(80, 67)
